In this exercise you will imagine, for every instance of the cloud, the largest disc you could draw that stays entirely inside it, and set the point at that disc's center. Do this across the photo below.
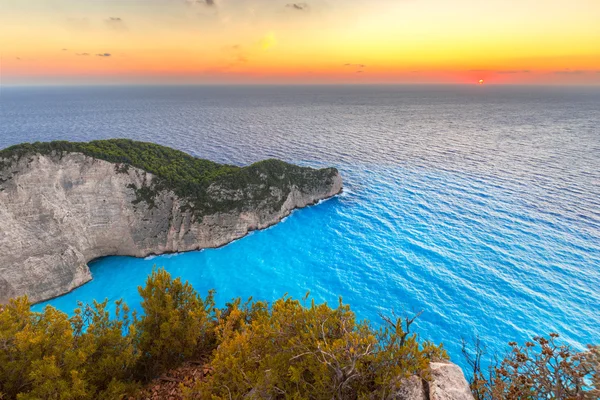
(359, 67)
(116, 23)
(208, 3)
(521, 71)
(268, 41)
(82, 54)
(65, 49)
(298, 6)
(235, 55)
(103, 55)
(206, 9)
(235, 49)
(569, 72)
(506, 71)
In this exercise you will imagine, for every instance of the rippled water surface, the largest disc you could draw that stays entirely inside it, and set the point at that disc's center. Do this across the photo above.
(478, 205)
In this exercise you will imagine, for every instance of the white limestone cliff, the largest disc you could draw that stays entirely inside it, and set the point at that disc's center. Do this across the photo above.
(59, 213)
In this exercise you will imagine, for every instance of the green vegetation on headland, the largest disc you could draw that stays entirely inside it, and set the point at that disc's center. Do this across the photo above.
(188, 177)
(174, 166)
(254, 350)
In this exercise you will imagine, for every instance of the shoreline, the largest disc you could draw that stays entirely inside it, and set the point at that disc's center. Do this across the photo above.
(152, 254)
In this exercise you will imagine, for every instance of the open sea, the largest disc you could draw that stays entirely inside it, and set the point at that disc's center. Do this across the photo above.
(479, 206)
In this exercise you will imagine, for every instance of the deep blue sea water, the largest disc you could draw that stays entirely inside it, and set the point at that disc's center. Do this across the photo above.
(478, 205)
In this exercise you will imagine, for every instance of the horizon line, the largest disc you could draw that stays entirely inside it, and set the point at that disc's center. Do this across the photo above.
(275, 84)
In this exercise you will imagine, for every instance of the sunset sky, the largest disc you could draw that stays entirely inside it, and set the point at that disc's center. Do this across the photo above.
(311, 41)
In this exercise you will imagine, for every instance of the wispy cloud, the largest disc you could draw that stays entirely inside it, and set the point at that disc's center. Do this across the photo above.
(236, 55)
(116, 23)
(516, 71)
(569, 72)
(503, 72)
(208, 3)
(360, 68)
(82, 54)
(103, 55)
(298, 6)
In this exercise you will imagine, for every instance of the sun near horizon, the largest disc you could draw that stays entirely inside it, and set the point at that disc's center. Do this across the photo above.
(314, 41)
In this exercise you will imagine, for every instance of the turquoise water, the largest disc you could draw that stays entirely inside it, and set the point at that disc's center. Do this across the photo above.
(480, 208)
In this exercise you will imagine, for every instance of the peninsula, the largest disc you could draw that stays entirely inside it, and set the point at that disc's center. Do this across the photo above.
(63, 204)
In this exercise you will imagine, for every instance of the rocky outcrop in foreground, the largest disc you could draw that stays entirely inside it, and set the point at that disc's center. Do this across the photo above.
(60, 209)
(447, 383)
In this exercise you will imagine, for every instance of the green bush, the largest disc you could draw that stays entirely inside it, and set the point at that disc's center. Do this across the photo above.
(108, 344)
(176, 324)
(317, 352)
(49, 356)
(255, 350)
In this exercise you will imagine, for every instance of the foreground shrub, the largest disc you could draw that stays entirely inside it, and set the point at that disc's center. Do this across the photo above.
(540, 369)
(254, 350)
(108, 344)
(176, 324)
(291, 351)
(48, 355)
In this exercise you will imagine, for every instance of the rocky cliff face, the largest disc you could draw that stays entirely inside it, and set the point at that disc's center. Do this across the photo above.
(447, 383)
(58, 212)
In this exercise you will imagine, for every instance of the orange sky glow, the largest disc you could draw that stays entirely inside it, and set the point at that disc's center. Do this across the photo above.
(316, 41)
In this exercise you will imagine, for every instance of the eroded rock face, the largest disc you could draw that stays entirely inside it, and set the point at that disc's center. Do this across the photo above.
(411, 389)
(448, 382)
(58, 213)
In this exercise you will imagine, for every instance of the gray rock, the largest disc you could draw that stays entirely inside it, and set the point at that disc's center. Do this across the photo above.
(448, 382)
(410, 389)
(58, 213)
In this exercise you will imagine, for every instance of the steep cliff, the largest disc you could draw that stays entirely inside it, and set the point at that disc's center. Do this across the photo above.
(64, 204)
